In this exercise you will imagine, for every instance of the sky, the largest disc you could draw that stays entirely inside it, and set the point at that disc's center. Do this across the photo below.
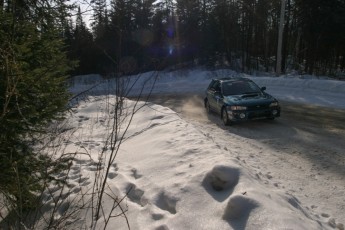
(172, 173)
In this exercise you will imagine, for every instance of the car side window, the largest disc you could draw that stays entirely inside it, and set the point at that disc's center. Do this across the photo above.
(216, 86)
(210, 86)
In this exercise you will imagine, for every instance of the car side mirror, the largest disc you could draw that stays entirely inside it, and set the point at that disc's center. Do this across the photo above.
(263, 88)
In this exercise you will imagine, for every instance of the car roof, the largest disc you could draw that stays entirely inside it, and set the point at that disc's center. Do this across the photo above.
(231, 79)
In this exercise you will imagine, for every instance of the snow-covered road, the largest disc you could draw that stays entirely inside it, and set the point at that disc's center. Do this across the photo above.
(301, 152)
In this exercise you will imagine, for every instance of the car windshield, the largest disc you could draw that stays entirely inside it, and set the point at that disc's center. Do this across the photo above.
(240, 88)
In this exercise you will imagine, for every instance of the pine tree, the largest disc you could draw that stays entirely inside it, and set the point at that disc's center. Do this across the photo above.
(100, 17)
(82, 48)
(322, 32)
(189, 15)
(33, 93)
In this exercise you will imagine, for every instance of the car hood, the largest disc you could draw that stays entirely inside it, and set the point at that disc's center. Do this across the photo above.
(248, 100)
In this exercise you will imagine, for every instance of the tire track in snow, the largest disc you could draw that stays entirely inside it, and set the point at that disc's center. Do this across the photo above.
(302, 152)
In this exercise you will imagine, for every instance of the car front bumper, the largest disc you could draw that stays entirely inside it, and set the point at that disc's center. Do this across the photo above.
(242, 115)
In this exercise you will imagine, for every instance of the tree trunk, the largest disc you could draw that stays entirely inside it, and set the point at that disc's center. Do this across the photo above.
(280, 38)
(1, 5)
(286, 38)
(297, 49)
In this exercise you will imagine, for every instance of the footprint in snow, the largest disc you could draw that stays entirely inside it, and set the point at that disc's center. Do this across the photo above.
(166, 202)
(74, 176)
(158, 216)
(135, 174)
(157, 117)
(116, 168)
(82, 179)
(136, 195)
(238, 210)
(221, 181)
(85, 183)
(162, 227)
(94, 166)
(112, 175)
(83, 118)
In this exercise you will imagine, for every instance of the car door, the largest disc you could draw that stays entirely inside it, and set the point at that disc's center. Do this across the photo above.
(214, 95)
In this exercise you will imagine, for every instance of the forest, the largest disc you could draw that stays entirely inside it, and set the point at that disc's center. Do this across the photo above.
(130, 36)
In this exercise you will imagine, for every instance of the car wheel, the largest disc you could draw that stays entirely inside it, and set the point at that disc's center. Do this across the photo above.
(225, 117)
(207, 106)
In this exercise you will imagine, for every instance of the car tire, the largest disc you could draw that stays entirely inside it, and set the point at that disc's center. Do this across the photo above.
(225, 117)
(207, 106)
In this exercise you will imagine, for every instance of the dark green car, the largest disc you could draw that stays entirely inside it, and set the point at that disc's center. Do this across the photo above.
(240, 99)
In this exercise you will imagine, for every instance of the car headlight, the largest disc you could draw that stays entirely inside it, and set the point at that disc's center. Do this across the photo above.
(236, 107)
(274, 104)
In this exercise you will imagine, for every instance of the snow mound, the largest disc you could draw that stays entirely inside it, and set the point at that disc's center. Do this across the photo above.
(172, 176)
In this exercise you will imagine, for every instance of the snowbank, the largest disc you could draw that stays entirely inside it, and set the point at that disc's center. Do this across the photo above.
(321, 92)
(176, 177)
